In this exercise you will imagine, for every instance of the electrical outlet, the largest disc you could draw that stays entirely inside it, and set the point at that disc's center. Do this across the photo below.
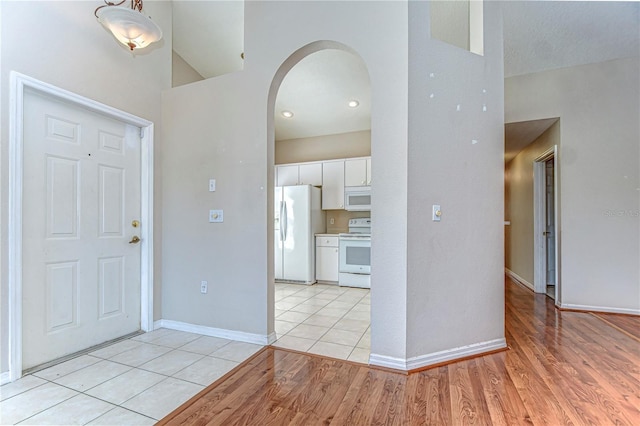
(437, 213)
(332, 221)
(216, 216)
(203, 287)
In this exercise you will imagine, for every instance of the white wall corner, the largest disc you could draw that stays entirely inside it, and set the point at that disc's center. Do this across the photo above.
(605, 309)
(518, 278)
(241, 336)
(455, 353)
(5, 377)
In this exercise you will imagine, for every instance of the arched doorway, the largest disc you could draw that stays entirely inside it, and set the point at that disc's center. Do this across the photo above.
(318, 116)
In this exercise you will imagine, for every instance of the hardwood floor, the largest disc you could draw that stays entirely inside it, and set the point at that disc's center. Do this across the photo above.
(561, 368)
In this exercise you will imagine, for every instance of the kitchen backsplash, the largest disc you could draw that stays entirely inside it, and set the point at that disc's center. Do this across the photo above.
(341, 220)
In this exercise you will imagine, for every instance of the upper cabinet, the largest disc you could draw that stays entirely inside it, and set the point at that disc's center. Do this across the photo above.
(286, 175)
(333, 185)
(310, 174)
(357, 172)
(299, 174)
(332, 175)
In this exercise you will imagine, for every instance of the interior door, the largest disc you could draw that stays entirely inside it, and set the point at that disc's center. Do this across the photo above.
(550, 223)
(81, 206)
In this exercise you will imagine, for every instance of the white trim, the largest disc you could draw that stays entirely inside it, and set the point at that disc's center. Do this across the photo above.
(388, 362)
(241, 336)
(518, 278)
(18, 84)
(437, 357)
(606, 309)
(4, 378)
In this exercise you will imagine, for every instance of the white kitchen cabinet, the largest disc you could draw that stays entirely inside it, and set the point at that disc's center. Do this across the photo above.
(299, 174)
(327, 258)
(333, 185)
(357, 172)
(287, 175)
(310, 174)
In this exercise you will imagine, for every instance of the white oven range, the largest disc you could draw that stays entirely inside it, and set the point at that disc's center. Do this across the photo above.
(355, 254)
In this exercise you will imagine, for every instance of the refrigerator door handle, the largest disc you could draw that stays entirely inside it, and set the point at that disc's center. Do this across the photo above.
(283, 221)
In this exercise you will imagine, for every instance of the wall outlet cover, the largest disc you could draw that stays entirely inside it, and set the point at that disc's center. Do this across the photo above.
(216, 216)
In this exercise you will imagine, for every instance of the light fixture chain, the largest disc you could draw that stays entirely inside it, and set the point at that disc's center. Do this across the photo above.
(136, 4)
(108, 3)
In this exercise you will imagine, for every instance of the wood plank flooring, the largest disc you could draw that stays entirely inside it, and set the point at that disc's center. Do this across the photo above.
(561, 368)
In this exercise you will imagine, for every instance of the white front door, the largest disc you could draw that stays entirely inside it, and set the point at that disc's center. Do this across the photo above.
(81, 204)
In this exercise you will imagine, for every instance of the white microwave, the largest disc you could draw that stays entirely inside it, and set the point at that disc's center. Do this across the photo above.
(357, 198)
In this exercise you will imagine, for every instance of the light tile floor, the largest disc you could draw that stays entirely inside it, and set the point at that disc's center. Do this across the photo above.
(133, 382)
(324, 319)
(138, 381)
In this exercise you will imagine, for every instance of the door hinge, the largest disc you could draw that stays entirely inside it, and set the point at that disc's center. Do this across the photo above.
(141, 132)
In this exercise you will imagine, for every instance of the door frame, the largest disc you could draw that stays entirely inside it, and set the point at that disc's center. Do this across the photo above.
(18, 84)
(539, 222)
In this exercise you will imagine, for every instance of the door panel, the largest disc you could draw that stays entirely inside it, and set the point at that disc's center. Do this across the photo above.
(62, 197)
(61, 287)
(81, 186)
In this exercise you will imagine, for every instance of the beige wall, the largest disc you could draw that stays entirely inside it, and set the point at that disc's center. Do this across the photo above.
(327, 147)
(519, 203)
(455, 294)
(62, 44)
(182, 72)
(424, 295)
(223, 128)
(598, 106)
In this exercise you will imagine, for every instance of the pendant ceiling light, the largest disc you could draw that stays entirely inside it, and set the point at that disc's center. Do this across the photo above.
(128, 24)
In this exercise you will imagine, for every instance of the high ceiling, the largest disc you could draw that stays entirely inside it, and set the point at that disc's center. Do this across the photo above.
(538, 35)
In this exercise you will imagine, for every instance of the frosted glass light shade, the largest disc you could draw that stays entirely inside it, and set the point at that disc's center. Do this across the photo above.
(129, 26)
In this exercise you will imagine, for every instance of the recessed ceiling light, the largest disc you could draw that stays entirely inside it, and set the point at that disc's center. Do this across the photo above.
(353, 104)
(287, 114)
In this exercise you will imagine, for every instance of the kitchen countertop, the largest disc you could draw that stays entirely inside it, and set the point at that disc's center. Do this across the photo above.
(326, 235)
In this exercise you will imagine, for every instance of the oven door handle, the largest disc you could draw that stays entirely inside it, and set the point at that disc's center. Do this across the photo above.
(355, 239)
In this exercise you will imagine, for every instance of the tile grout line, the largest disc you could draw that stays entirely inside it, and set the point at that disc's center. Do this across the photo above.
(317, 340)
(131, 368)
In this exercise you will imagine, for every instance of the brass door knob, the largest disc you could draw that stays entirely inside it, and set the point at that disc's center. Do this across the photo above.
(134, 240)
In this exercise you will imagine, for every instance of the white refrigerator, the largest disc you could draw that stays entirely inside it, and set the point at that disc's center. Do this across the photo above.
(298, 217)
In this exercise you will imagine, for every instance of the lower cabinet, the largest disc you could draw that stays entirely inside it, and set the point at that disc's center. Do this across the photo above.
(327, 258)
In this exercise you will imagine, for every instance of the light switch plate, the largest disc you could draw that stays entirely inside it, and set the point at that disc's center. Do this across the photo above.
(212, 185)
(437, 213)
(216, 216)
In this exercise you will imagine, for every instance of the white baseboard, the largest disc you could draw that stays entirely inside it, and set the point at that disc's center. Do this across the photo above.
(259, 339)
(4, 378)
(518, 278)
(388, 362)
(437, 357)
(604, 309)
